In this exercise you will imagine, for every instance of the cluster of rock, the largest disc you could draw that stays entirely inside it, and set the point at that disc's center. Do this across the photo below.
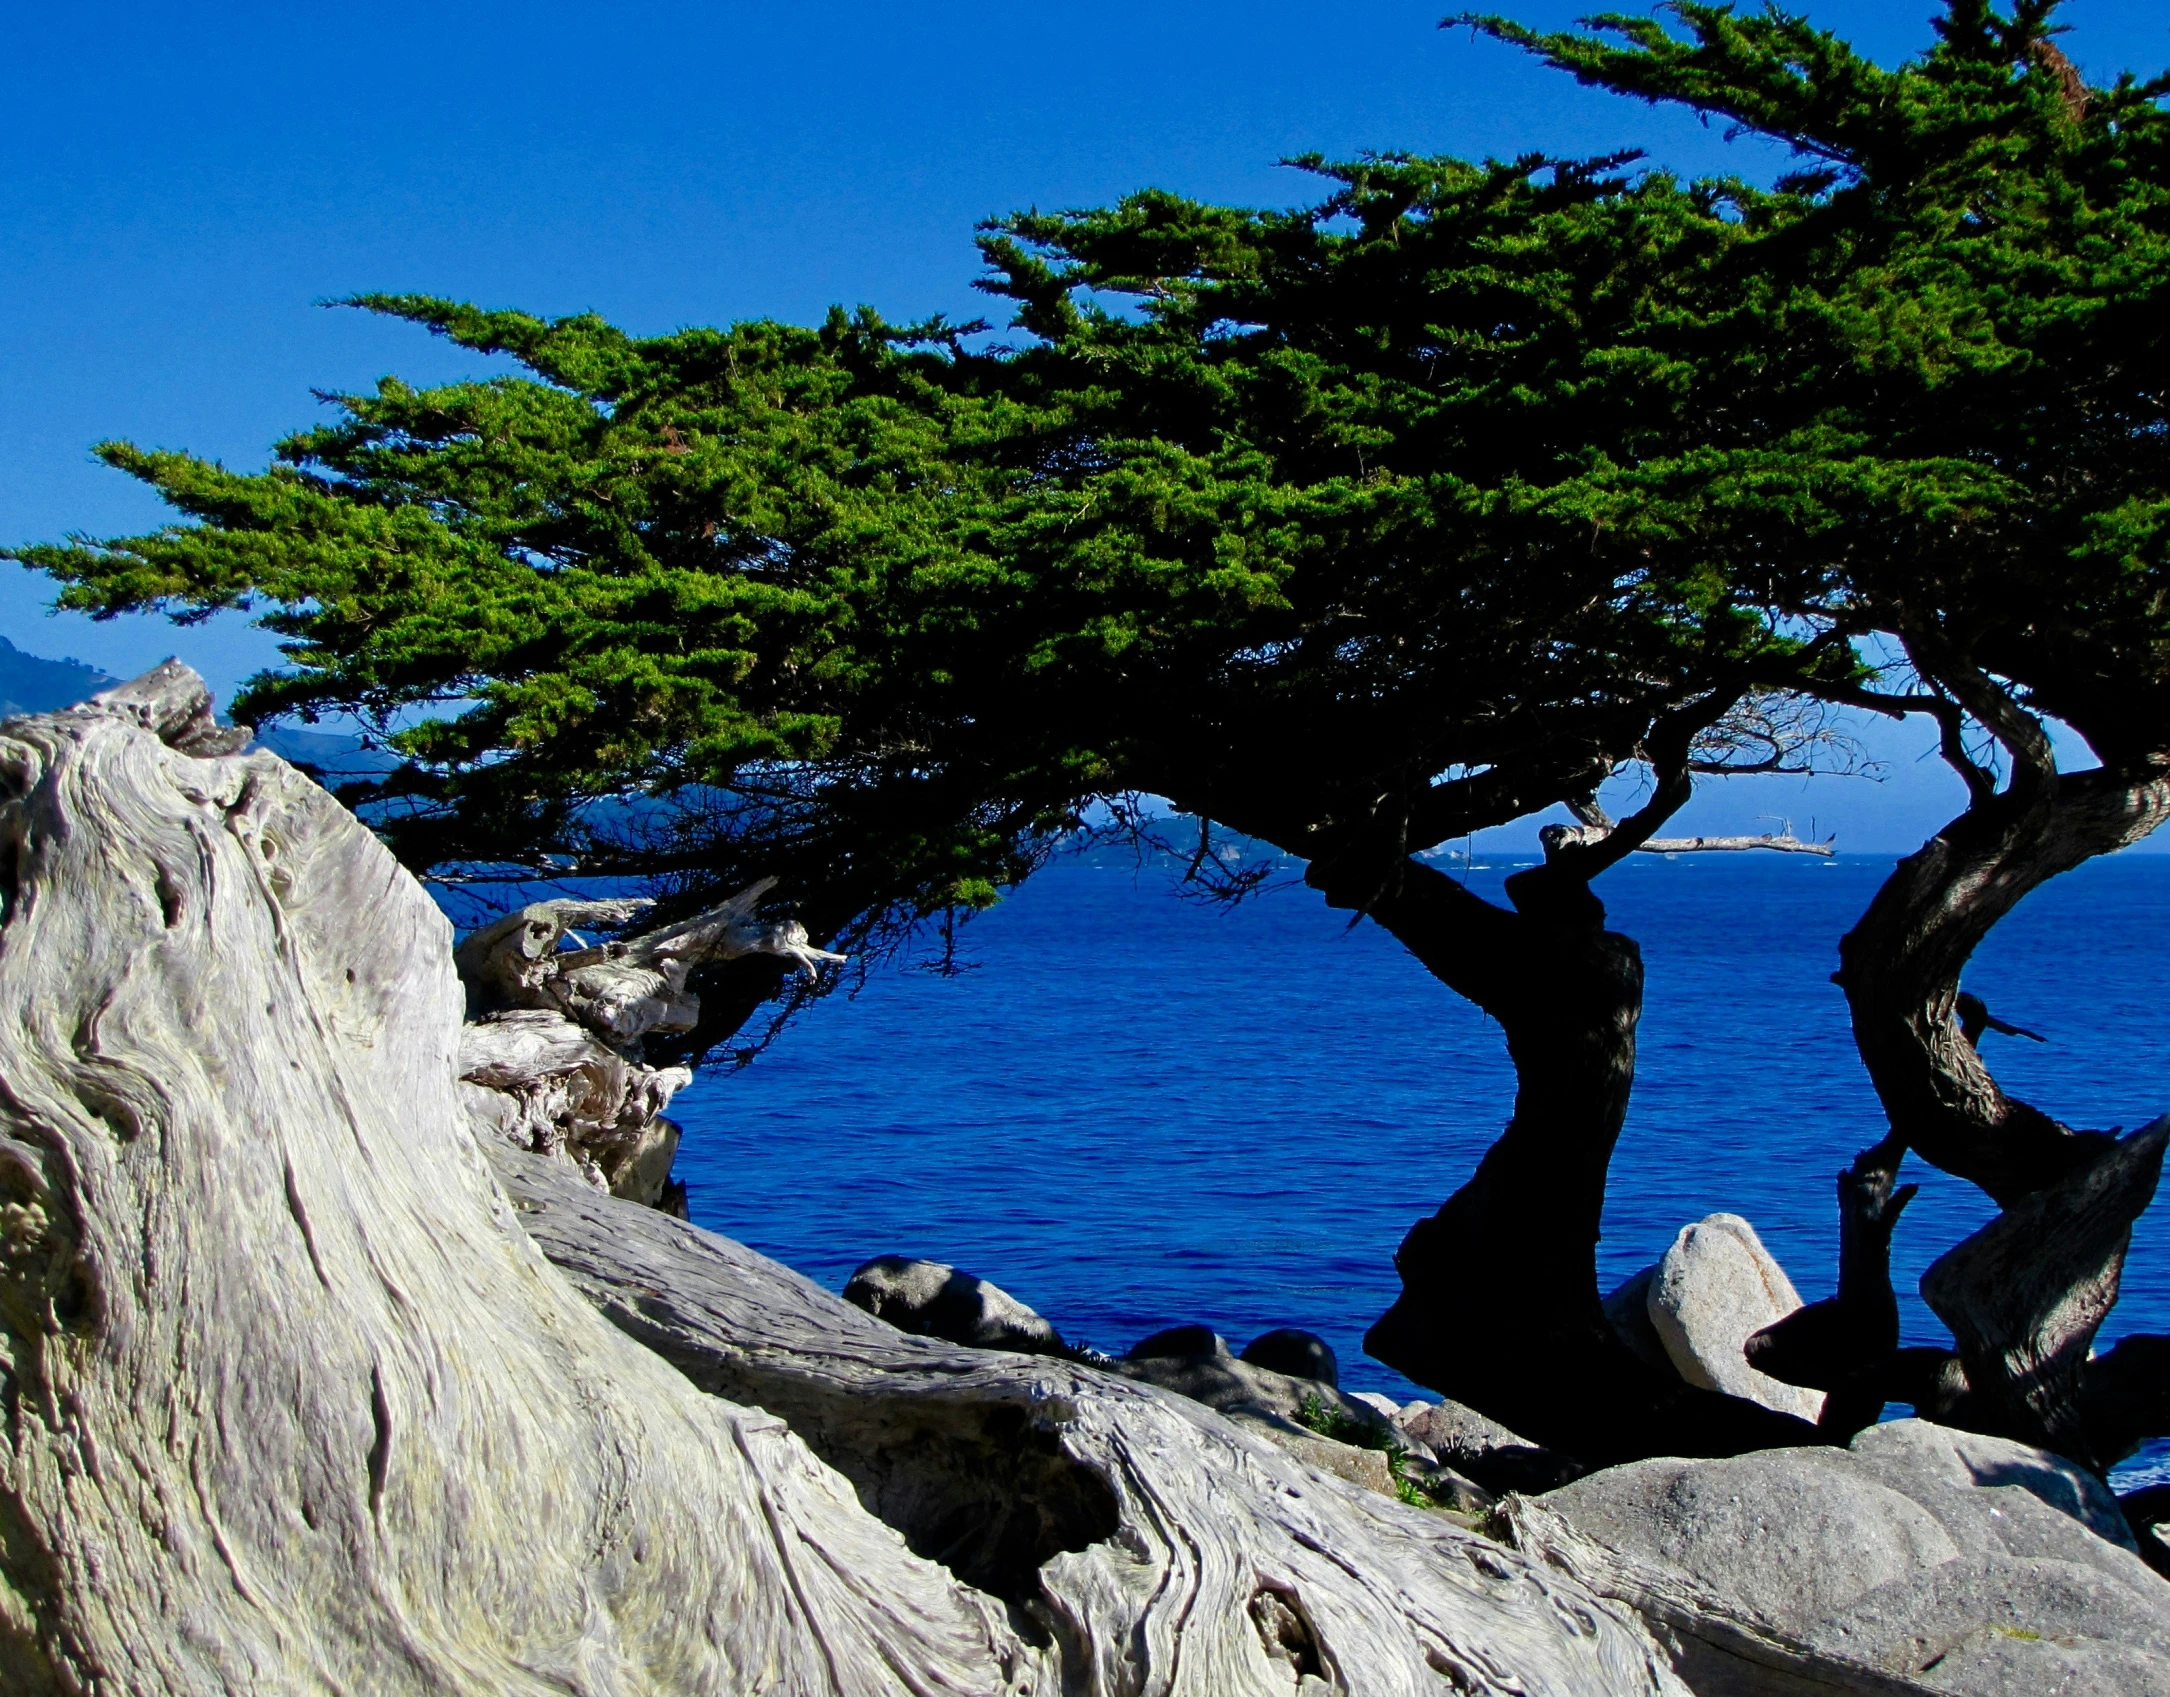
(1919, 1559)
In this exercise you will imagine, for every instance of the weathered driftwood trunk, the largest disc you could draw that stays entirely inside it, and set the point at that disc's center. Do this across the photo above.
(1153, 1545)
(554, 1057)
(295, 1404)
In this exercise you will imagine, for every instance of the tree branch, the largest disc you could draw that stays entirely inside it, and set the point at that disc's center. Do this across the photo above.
(2026, 1294)
(1950, 720)
(1582, 852)
(1900, 968)
(2034, 759)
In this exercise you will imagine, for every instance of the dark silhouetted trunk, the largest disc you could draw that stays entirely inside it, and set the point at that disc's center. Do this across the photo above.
(2026, 1294)
(1901, 966)
(1499, 1307)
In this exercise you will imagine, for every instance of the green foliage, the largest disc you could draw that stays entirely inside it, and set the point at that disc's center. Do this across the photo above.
(638, 571)
(1329, 1420)
(1406, 1489)
(1968, 412)
(1346, 506)
(1417, 437)
(1356, 526)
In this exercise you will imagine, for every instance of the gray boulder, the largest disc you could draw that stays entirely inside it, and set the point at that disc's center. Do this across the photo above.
(1628, 1311)
(932, 1299)
(1296, 1352)
(1483, 1450)
(1708, 1296)
(1964, 1563)
(2030, 1501)
(1712, 1291)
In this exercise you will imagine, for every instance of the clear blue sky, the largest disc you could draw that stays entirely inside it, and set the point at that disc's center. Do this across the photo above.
(181, 185)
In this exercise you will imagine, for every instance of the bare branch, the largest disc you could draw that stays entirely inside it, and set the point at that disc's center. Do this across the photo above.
(1777, 731)
(1586, 850)
(1951, 724)
(1990, 705)
(1215, 870)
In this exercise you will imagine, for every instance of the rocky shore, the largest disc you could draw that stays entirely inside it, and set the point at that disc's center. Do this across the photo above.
(1918, 1558)
(351, 1345)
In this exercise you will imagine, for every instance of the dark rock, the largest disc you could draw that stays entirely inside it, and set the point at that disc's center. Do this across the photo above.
(1298, 1353)
(934, 1300)
(1286, 1411)
(2146, 1513)
(1178, 1341)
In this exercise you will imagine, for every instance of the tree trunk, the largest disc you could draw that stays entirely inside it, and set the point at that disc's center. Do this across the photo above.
(1499, 1306)
(1900, 970)
(294, 1403)
(2027, 1293)
(1848, 1345)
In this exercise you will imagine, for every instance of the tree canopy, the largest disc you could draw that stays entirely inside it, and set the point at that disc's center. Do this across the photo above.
(1350, 519)
(1424, 503)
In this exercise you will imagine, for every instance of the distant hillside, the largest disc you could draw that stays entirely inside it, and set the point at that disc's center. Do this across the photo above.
(31, 685)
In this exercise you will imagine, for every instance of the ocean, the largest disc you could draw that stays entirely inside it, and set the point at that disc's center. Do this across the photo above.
(1132, 1110)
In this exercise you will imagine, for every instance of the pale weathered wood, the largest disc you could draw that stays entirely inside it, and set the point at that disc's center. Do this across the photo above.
(625, 987)
(554, 1062)
(295, 1405)
(1142, 1531)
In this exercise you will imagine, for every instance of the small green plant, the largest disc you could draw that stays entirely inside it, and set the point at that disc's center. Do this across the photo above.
(1316, 1414)
(1331, 1421)
(1415, 1492)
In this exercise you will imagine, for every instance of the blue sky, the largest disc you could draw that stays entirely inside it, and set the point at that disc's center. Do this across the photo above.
(182, 184)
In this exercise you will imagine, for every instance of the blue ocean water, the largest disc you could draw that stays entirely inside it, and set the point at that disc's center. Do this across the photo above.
(1132, 1110)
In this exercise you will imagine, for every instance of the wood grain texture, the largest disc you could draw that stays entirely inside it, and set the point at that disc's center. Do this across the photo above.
(293, 1402)
(1145, 1534)
(294, 1405)
(2025, 1295)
